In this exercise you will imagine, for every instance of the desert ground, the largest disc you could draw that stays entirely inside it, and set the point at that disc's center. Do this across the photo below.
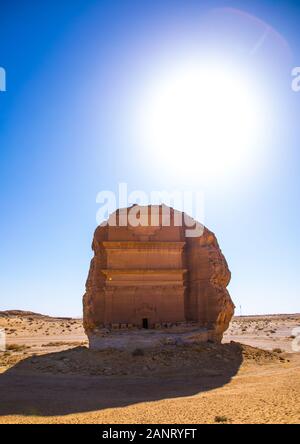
(48, 375)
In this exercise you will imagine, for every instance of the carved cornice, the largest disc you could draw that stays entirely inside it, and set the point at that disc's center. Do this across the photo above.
(140, 245)
(143, 271)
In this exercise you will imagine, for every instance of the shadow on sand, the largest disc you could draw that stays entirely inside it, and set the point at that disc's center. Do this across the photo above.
(28, 389)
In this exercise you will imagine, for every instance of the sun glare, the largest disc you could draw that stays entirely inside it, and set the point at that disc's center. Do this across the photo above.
(201, 118)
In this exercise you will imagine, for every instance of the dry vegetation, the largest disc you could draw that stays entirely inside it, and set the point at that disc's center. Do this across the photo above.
(267, 332)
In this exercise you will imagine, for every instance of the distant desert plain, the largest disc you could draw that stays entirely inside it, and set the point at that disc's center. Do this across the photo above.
(48, 375)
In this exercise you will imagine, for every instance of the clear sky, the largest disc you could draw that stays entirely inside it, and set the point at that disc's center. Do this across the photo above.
(78, 77)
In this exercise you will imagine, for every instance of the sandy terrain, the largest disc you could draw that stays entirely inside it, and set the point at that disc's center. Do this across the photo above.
(267, 332)
(47, 375)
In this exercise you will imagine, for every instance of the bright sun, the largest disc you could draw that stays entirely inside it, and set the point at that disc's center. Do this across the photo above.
(201, 118)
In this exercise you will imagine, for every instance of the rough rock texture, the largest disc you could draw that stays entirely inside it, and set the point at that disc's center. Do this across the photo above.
(154, 276)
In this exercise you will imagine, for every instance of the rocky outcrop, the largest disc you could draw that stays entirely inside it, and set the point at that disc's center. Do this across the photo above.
(156, 276)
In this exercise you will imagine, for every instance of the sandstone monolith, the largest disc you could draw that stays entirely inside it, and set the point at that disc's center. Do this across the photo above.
(152, 274)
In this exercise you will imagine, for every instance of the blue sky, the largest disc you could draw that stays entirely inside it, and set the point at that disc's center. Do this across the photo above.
(75, 73)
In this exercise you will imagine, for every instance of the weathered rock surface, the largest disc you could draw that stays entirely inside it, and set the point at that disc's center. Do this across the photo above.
(158, 277)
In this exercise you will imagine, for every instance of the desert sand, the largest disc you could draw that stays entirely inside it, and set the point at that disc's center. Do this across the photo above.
(48, 375)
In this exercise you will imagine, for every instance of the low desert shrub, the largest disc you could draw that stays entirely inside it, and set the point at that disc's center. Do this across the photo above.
(138, 352)
(16, 347)
(221, 419)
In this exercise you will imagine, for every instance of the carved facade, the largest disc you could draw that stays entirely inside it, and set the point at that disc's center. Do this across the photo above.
(156, 277)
